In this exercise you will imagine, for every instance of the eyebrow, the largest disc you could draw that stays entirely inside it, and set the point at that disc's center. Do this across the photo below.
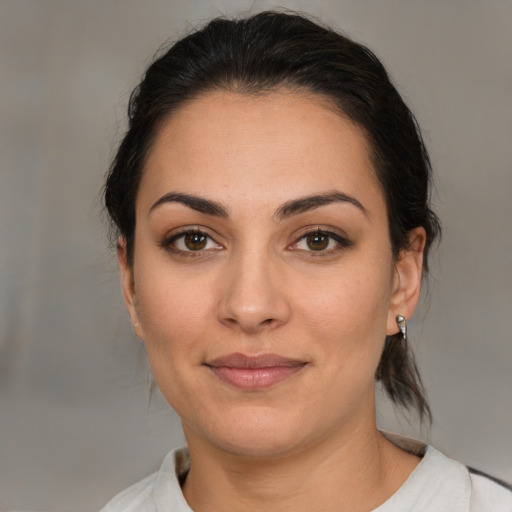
(305, 204)
(288, 209)
(196, 203)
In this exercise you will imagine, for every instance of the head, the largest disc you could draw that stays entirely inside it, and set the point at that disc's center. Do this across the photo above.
(266, 63)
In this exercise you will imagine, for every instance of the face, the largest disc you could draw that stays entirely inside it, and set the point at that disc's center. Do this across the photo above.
(263, 281)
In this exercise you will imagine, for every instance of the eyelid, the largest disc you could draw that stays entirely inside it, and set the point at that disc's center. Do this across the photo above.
(170, 238)
(335, 234)
(341, 239)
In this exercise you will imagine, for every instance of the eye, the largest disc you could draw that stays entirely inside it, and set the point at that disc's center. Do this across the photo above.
(321, 241)
(191, 241)
(317, 241)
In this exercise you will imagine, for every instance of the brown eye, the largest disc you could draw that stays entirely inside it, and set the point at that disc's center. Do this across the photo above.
(317, 241)
(195, 241)
(191, 241)
(321, 242)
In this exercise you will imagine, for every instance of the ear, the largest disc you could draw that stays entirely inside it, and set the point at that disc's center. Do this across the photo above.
(407, 279)
(128, 286)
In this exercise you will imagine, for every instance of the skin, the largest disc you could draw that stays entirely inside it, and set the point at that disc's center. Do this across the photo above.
(309, 442)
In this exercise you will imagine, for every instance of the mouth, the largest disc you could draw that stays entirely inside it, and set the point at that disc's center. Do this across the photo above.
(254, 373)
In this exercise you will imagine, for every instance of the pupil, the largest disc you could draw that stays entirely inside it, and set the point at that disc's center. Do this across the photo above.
(195, 241)
(318, 242)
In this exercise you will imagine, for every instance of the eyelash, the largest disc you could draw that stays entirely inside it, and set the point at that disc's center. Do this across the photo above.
(340, 241)
(169, 243)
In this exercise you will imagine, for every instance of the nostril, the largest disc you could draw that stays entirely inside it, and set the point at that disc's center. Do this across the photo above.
(250, 302)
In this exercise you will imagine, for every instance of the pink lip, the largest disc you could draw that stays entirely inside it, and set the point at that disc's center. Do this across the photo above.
(254, 372)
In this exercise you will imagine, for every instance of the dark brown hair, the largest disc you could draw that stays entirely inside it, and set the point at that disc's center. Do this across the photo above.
(271, 51)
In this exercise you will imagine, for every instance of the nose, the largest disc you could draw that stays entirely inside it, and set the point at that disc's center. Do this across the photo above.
(253, 294)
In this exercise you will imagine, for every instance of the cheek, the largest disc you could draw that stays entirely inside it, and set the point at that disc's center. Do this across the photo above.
(352, 301)
(175, 323)
(174, 312)
(345, 317)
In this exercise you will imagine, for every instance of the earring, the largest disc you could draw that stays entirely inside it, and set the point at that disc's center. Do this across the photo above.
(402, 325)
(134, 327)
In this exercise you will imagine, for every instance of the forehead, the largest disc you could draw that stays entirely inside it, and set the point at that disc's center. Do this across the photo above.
(264, 149)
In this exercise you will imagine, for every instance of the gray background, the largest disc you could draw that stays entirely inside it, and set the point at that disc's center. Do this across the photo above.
(76, 423)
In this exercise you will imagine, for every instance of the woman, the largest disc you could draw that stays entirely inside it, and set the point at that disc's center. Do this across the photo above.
(271, 202)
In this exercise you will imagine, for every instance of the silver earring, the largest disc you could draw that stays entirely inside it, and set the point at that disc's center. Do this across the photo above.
(402, 325)
(134, 326)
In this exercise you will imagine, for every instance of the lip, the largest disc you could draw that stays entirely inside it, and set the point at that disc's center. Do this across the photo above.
(254, 373)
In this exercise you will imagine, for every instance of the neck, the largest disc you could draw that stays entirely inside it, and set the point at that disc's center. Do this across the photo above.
(357, 471)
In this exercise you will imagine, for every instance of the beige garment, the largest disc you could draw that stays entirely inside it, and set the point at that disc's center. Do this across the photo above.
(438, 484)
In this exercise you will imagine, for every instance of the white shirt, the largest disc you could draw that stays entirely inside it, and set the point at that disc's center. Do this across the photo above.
(438, 484)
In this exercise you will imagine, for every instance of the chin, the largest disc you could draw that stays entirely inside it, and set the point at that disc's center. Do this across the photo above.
(256, 434)
(260, 445)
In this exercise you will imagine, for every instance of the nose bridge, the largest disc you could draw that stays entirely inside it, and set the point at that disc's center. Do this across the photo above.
(252, 293)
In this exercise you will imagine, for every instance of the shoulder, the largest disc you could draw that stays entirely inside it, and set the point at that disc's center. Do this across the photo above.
(489, 494)
(440, 484)
(159, 491)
